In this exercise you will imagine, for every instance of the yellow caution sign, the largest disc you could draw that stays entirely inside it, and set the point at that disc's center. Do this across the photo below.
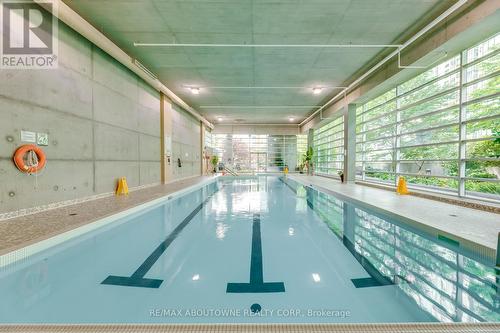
(402, 187)
(122, 186)
(286, 171)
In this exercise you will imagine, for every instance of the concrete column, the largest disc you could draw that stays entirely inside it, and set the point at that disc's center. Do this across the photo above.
(310, 137)
(202, 148)
(310, 143)
(166, 138)
(350, 143)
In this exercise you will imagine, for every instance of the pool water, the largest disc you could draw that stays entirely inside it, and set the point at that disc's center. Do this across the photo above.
(257, 249)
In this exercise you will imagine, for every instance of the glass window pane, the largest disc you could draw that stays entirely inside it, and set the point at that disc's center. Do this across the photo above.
(483, 149)
(483, 129)
(484, 108)
(434, 183)
(438, 103)
(430, 168)
(376, 134)
(483, 88)
(383, 121)
(329, 147)
(490, 45)
(489, 190)
(483, 68)
(483, 169)
(429, 75)
(380, 100)
(432, 120)
(432, 136)
(379, 166)
(448, 151)
(431, 90)
(380, 177)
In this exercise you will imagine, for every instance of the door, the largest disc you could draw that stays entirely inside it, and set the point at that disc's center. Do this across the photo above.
(258, 162)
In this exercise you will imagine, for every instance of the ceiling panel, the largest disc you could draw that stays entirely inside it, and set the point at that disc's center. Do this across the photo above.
(254, 22)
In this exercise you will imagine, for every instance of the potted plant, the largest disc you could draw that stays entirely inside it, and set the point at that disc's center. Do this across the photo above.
(341, 175)
(308, 158)
(215, 161)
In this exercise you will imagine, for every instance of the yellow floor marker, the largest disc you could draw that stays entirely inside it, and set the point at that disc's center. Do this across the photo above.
(402, 188)
(122, 186)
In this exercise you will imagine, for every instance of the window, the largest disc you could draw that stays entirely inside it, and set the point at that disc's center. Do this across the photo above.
(441, 129)
(301, 148)
(328, 145)
(259, 153)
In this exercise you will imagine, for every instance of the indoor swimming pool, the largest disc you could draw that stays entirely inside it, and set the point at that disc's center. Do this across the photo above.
(251, 250)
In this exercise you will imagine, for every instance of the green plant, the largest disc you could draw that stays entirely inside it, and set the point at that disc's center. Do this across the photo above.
(214, 160)
(309, 154)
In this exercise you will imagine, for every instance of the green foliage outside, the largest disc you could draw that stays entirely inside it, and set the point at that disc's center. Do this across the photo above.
(488, 129)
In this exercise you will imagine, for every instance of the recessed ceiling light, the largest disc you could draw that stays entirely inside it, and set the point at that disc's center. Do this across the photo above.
(317, 90)
(316, 277)
(195, 277)
(219, 118)
(291, 119)
(195, 91)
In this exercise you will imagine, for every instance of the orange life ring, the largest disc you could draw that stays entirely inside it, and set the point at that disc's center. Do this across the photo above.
(19, 158)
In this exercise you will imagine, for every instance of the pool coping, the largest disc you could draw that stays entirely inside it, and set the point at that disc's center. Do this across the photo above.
(25, 251)
(252, 328)
(467, 244)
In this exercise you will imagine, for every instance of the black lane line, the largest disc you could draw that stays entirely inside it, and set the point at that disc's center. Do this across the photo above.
(137, 278)
(257, 284)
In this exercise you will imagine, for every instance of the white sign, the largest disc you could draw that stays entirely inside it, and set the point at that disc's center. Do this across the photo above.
(42, 139)
(27, 136)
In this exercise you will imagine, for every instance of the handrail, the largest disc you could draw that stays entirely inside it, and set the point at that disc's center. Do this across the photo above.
(230, 171)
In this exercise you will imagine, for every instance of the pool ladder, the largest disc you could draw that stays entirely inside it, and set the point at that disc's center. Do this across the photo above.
(230, 171)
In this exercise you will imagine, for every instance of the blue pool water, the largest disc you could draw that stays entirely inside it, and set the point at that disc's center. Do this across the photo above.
(260, 249)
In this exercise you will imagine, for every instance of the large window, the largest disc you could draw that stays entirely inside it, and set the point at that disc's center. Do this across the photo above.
(329, 147)
(441, 129)
(259, 153)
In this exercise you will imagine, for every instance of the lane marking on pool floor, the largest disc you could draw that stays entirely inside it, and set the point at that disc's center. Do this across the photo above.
(137, 278)
(256, 284)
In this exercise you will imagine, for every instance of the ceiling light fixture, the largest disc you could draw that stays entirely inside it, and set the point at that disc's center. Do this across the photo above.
(195, 91)
(219, 118)
(291, 119)
(317, 90)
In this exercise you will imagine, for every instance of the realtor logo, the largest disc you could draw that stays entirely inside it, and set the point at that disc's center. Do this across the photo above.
(28, 35)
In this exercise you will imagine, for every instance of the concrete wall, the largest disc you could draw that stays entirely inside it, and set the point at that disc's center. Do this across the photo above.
(186, 144)
(103, 123)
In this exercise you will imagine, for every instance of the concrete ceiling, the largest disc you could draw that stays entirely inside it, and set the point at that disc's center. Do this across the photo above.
(255, 22)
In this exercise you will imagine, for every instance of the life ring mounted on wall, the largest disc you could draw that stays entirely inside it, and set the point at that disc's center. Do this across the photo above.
(30, 159)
